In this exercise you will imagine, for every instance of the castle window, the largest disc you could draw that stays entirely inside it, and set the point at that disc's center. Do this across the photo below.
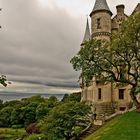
(99, 93)
(122, 108)
(121, 94)
(98, 23)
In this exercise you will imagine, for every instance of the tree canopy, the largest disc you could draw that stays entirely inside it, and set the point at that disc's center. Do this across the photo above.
(117, 61)
(72, 97)
(66, 121)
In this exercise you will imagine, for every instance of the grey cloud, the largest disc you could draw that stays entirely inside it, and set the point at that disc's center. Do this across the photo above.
(37, 44)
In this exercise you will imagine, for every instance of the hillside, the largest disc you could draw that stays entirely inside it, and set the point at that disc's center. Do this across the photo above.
(125, 127)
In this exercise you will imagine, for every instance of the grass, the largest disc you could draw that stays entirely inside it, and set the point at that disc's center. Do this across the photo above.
(125, 127)
(10, 134)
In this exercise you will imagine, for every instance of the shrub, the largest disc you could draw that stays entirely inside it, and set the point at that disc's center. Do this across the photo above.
(32, 128)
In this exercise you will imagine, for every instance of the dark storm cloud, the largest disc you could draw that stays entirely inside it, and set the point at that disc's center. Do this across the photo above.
(37, 44)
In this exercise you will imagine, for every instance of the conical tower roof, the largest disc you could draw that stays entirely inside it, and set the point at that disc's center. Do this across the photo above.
(100, 5)
(87, 35)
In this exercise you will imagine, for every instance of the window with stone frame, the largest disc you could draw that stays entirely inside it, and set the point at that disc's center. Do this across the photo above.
(98, 23)
(99, 93)
(121, 94)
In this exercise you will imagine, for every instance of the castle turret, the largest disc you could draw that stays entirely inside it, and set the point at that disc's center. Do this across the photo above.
(101, 20)
(87, 35)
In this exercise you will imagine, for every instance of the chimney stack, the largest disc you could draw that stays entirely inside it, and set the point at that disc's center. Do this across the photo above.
(120, 9)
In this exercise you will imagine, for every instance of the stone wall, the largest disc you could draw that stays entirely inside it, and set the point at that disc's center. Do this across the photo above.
(104, 30)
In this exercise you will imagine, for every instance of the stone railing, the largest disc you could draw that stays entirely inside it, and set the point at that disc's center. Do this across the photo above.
(118, 113)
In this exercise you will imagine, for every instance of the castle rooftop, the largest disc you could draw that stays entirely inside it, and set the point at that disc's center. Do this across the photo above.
(100, 5)
(87, 35)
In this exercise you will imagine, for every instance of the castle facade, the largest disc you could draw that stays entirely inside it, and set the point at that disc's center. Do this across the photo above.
(106, 99)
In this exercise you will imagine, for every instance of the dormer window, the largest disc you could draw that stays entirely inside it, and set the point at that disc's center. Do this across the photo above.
(98, 23)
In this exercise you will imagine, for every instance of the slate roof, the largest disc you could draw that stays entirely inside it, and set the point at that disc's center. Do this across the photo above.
(137, 9)
(100, 5)
(87, 35)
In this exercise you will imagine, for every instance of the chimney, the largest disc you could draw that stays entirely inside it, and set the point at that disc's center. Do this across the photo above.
(120, 9)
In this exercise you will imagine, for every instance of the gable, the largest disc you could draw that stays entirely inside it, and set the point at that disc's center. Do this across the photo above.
(136, 10)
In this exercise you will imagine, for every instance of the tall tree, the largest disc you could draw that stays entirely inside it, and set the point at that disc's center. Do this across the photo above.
(117, 62)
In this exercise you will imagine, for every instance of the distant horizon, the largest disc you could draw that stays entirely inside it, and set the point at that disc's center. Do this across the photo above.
(10, 96)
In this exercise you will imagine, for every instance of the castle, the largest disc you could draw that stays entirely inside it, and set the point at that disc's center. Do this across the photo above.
(106, 99)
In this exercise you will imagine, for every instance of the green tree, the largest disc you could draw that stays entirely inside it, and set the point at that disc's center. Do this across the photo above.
(14, 103)
(117, 62)
(72, 97)
(66, 121)
(41, 111)
(29, 113)
(17, 117)
(1, 104)
(52, 102)
(5, 115)
(37, 99)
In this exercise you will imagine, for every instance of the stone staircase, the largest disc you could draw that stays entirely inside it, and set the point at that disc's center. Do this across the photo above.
(91, 129)
(94, 127)
(104, 109)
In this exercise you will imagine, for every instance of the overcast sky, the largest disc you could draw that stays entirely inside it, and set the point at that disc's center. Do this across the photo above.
(39, 37)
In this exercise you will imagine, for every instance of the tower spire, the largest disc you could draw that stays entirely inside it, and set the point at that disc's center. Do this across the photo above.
(87, 35)
(100, 5)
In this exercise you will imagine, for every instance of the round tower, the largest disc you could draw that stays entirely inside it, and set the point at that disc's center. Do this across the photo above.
(101, 20)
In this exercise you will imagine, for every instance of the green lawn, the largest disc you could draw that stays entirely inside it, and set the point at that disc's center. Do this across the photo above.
(10, 134)
(125, 127)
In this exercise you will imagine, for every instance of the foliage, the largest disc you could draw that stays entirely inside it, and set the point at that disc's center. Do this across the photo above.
(14, 103)
(83, 60)
(17, 116)
(58, 120)
(36, 99)
(25, 111)
(5, 114)
(64, 119)
(72, 97)
(3, 80)
(52, 102)
(42, 110)
(1, 104)
(117, 62)
(29, 114)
